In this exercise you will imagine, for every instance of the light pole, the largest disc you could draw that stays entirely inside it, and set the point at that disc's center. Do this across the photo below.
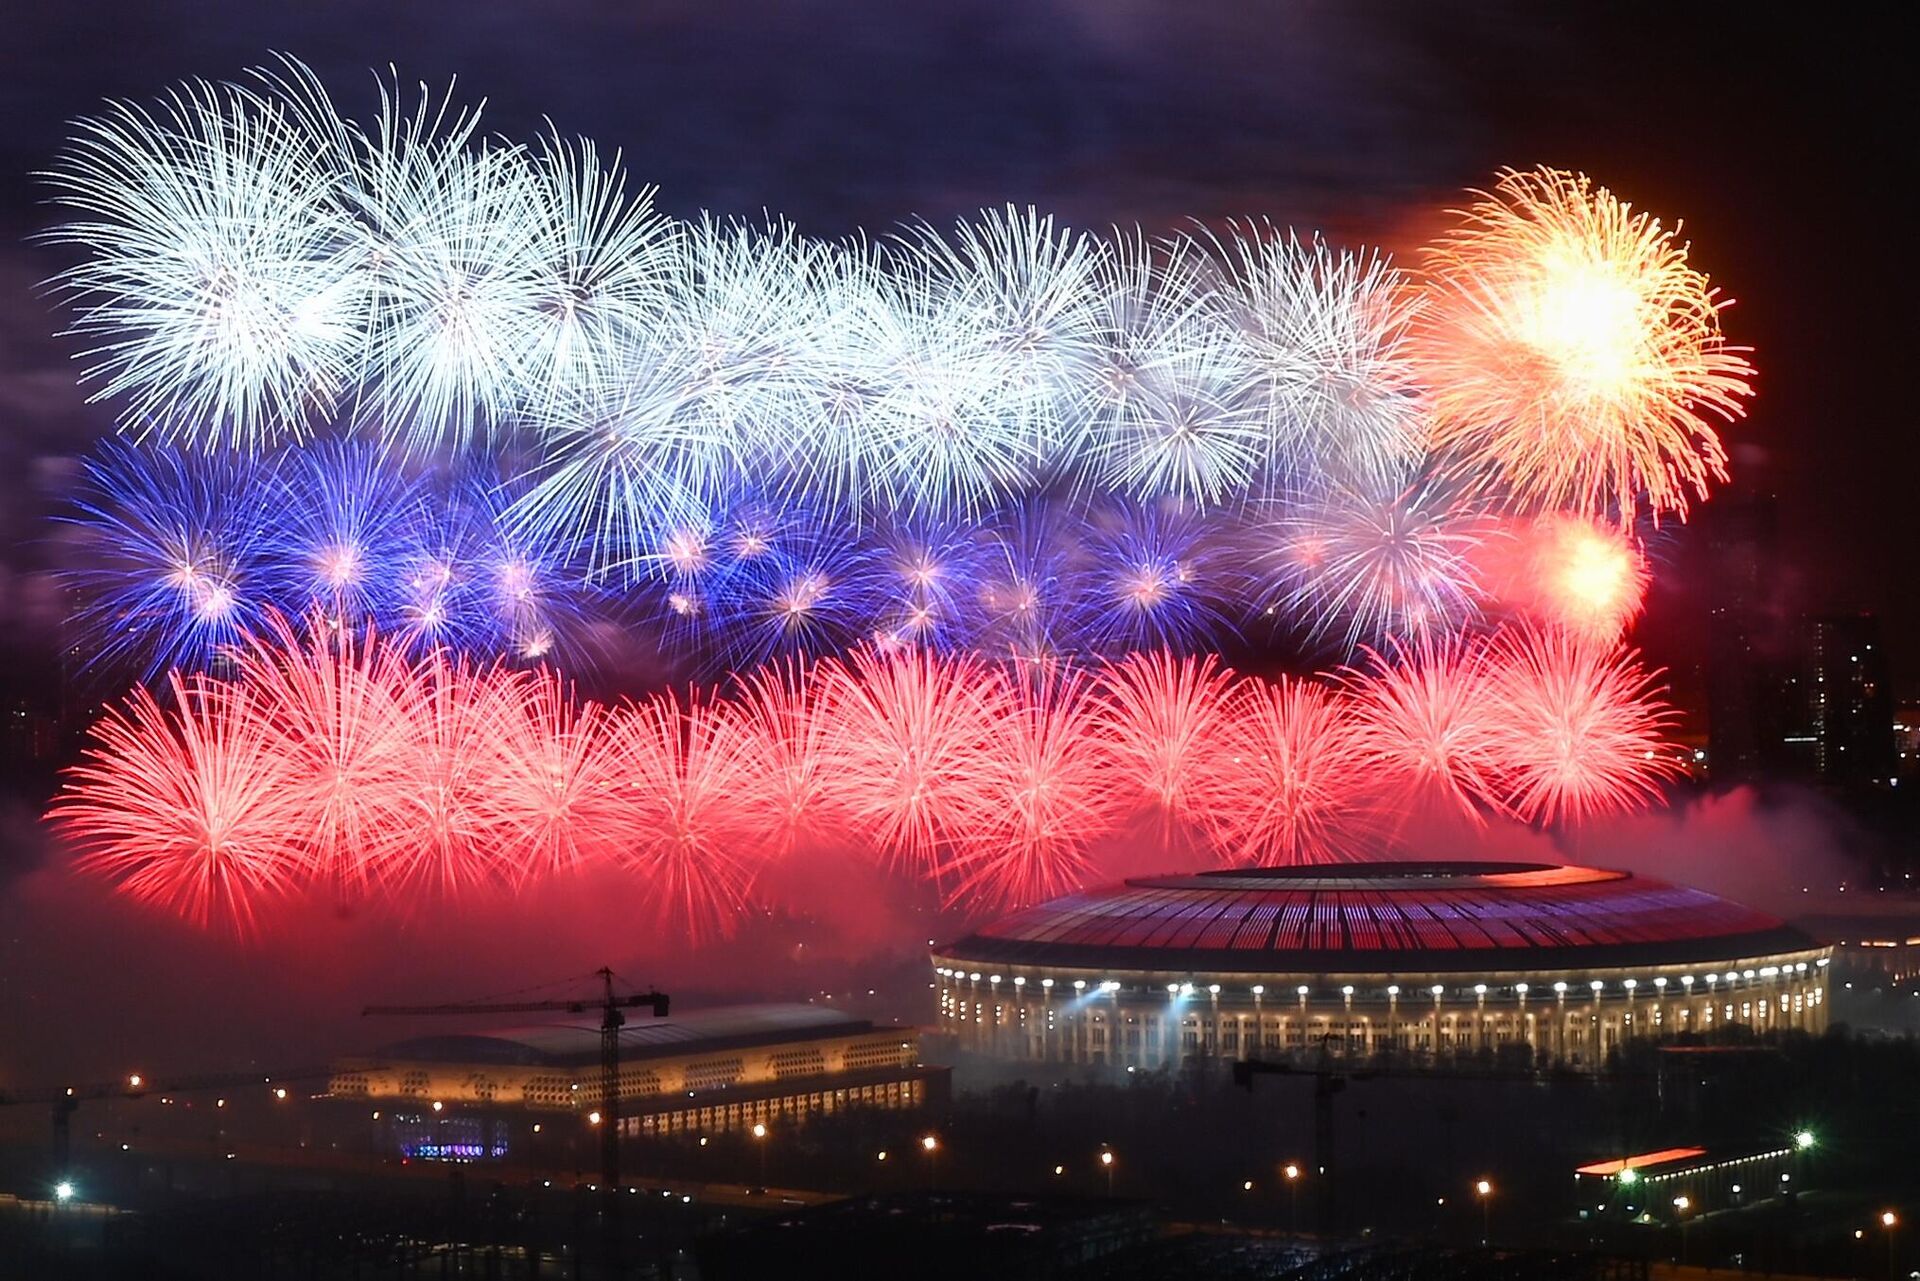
(1484, 1190)
(1292, 1171)
(760, 1140)
(1681, 1204)
(1889, 1220)
(1106, 1161)
(930, 1144)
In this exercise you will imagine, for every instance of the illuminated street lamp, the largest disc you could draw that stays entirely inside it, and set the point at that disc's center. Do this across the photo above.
(1106, 1162)
(1681, 1204)
(1292, 1171)
(1889, 1220)
(760, 1140)
(63, 1191)
(1803, 1140)
(1484, 1190)
(930, 1144)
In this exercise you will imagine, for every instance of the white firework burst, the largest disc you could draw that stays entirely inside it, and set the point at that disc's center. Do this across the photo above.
(445, 230)
(948, 433)
(1363, 563)
(598, 264)
(1181, 427)
(1324, 332)
(625, 462)
(213, 285)
(1032, 289)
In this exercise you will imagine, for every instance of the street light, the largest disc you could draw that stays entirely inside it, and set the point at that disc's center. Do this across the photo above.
(931, 1146)
(1681, 1204)
(1106, 1160)
(1484, 1190)
(760, 1140)
(63, 1191)
(1803, 1139)
(1292, 1172)
(1889, 1220)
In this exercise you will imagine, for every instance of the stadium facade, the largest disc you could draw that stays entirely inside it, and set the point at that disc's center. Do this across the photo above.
(1418, 960)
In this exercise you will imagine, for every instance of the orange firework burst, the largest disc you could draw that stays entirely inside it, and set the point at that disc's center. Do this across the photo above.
(1570, 350)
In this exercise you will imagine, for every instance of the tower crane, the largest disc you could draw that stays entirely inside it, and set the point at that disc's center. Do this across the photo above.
(611, 1006)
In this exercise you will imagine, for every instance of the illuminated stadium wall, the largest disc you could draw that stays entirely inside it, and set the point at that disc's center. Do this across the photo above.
(1418, 960)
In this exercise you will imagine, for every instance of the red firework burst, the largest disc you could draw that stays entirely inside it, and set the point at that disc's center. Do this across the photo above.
(692, 832)
(1428, 727)
(910, 739)
(191, 807)
(1291, 760)
(1580, 730)
(1161, 715)
(1053, 793)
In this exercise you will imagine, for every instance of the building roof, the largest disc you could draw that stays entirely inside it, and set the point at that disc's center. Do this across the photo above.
(1374, 917)
(724, 1028)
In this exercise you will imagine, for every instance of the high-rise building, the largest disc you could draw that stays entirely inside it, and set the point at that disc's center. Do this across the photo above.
(1757, 724)
(1850, 701)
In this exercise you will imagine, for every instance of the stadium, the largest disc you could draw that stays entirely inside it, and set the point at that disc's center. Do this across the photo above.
(1505, 962)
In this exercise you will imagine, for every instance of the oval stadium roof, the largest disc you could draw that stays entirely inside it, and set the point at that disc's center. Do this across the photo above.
(1375, 917)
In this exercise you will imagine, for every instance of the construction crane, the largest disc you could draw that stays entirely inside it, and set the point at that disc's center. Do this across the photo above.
(612, 1020)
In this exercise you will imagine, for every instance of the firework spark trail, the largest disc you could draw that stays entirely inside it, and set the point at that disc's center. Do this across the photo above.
(1569, 348)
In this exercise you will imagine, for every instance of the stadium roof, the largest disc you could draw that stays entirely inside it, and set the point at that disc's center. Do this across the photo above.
(574, 1044)
(1375, 917)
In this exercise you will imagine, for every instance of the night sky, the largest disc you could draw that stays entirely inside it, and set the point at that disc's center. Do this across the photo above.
(1776, 137)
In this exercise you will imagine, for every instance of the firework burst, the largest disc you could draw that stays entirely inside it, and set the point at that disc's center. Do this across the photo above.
(1571, 350)
(188, 807)
(1580, 731)
(1292, 760)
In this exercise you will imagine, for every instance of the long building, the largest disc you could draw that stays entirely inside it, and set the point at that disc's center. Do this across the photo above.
(1421, 960)
(707, 1072)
